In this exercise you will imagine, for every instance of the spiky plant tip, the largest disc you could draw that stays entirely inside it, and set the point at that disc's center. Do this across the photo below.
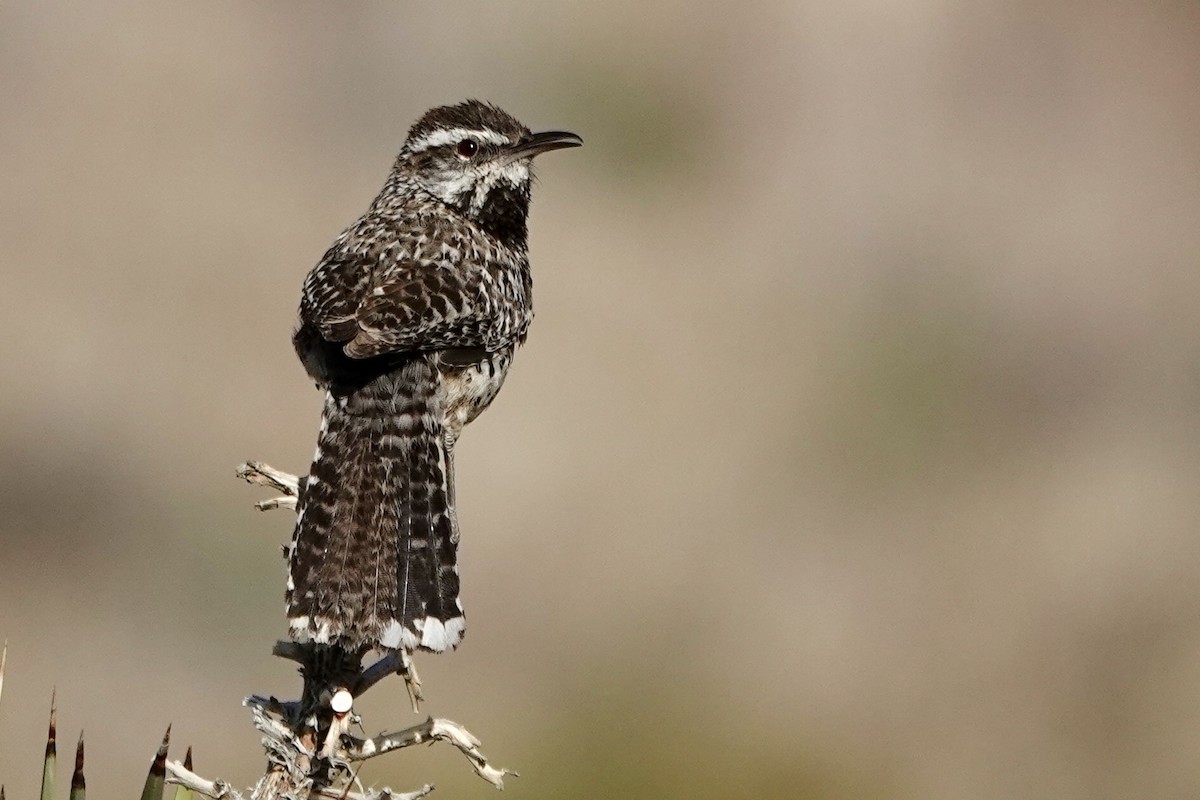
(162, 748)
(52, 736)
(157, 778)
(78, 785)
(79, 754)
(181, 791)
(48, 767)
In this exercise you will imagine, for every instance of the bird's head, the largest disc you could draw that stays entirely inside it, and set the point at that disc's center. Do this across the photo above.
(477, 159)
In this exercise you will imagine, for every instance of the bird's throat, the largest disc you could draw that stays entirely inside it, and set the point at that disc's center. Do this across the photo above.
(503, 214)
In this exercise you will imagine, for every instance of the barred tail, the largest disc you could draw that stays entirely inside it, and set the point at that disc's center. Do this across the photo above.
(372, 562)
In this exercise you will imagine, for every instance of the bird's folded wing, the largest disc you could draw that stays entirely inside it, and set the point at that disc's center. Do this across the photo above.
(372, 293)
(423, 307)
(334, 289)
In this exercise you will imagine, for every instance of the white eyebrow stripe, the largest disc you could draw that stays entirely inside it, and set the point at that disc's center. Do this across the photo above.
(445, 136)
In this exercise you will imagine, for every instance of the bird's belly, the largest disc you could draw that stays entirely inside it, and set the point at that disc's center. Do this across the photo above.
(468, 390)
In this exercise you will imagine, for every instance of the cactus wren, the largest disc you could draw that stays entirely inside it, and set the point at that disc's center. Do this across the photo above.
(409, 323)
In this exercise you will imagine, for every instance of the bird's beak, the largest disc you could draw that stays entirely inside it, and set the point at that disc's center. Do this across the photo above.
(539, 143)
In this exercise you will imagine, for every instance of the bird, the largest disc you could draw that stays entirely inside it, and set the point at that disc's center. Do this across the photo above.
(409, 323)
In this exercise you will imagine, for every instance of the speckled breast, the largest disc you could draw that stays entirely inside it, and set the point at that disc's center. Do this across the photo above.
(471, 378)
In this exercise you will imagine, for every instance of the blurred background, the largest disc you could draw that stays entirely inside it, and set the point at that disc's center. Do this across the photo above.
(854, 451)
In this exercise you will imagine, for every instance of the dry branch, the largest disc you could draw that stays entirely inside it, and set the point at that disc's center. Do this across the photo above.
(265, 475)
(429, 731)
(179, 774)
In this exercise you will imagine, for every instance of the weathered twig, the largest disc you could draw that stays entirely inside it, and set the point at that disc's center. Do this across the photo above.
(220, 790)
(307, 741)
(382, 794)
(429, 731)
(266, 475)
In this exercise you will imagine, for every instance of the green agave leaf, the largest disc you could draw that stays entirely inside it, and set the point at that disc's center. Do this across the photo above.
(153, 790)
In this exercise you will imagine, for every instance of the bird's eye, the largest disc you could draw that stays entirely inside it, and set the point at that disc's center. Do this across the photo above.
(467, 148)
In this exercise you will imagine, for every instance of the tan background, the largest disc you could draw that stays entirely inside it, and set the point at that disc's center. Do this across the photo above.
(854, 452)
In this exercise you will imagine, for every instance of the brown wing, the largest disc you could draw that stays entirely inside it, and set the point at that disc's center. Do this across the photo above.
(335, 288)
(377, 291)
(427, 306)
